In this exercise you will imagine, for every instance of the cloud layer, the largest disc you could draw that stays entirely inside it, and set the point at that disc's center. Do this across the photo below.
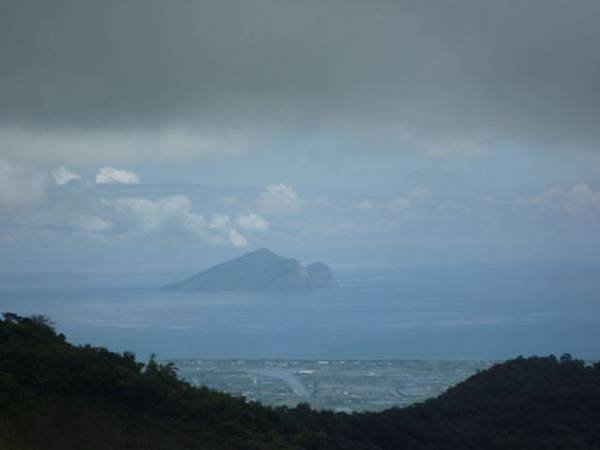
(37, 204)
(30, 203)
(200, 76)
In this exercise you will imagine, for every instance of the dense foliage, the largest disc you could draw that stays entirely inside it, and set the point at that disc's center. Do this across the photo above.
(54, 395)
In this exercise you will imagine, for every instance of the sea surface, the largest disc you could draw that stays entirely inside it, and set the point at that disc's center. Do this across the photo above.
(379, 312)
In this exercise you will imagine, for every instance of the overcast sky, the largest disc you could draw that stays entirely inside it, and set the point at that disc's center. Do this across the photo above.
(325, 128)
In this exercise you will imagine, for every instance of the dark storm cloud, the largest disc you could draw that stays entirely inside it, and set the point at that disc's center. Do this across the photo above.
(520, 71)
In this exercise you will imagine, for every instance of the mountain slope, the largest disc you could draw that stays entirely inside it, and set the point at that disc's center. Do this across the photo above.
(261, 270)
(55, 396)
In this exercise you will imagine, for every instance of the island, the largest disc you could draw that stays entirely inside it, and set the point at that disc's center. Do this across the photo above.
(260, 270)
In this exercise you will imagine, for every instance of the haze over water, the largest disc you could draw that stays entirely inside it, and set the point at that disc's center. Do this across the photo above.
(480, 311)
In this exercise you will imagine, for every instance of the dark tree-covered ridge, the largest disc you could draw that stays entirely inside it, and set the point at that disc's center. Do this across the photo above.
(54, 395)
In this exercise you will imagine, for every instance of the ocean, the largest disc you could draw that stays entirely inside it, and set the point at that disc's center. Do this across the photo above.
(426, 312)
(388, 336)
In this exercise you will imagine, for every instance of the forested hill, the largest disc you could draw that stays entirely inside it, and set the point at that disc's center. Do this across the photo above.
(54, 395)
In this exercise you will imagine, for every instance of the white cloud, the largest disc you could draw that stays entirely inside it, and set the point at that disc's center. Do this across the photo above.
(237, 239)
(279, 199)
(152, 215)
(36, 203)
(62, 175)
(20, 187)
(252, 222)
(174, 214)
(219, 221)
(110, 175)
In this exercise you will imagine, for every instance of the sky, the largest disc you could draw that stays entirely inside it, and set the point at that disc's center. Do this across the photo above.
(191, 131)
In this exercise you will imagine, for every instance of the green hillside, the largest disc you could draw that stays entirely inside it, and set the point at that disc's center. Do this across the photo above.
(54, 395)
